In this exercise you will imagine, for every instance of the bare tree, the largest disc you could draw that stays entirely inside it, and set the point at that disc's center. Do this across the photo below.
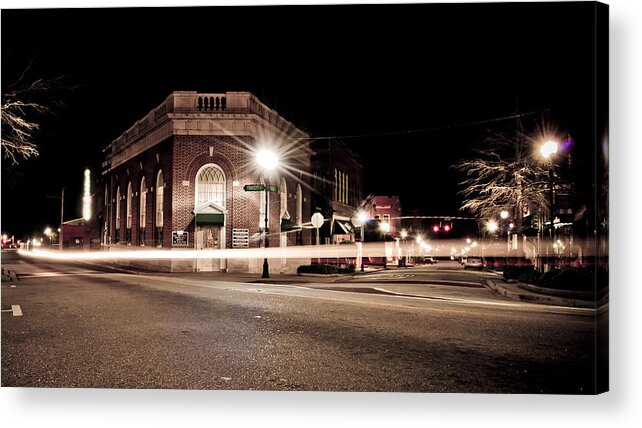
(22, 107)
(504, 177)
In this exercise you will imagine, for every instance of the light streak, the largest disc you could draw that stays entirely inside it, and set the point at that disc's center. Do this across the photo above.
(372, 249)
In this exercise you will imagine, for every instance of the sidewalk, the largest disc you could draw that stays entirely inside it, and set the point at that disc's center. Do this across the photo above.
(514, 291)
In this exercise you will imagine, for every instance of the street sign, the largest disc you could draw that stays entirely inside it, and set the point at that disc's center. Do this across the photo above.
(254, 187)
(273, 189)
(317, 220)
(180, 238)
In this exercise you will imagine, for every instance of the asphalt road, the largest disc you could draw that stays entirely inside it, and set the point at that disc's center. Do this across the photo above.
(433, 330)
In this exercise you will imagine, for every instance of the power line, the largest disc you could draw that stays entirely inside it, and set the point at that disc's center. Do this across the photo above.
(420, 130)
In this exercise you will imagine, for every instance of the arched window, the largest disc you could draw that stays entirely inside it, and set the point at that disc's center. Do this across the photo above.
(118, 208)
(129, 205)
(210, 186)
(143, 203)
(284, 198)
(142, 211)
(160, 187)
(299, 205)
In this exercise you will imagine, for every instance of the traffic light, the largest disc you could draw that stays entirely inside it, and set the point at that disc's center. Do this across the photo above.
(441, 227)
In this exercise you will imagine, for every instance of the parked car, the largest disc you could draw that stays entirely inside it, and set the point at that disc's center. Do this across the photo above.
(473, 263)
(430, 260)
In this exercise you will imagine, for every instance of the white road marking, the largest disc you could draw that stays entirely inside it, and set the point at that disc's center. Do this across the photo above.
(17, 312)
(55, 274)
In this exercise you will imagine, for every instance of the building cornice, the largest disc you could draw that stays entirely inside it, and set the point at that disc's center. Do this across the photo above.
(186, 113)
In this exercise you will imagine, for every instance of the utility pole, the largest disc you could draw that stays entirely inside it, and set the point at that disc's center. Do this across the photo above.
(62, 213)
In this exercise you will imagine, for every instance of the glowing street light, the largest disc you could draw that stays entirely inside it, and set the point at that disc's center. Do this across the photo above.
(48, 232)
(361, 220)
(503, 214)
(385, 228)
(268, 161)
(491, 226)
(548, 149)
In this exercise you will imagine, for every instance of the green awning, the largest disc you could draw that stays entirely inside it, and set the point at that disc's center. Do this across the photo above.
(212, 219)
(287, 225)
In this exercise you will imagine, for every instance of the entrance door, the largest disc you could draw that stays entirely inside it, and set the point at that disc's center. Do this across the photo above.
(208, 238)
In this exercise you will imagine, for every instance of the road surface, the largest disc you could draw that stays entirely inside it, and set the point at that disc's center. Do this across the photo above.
(432, 329)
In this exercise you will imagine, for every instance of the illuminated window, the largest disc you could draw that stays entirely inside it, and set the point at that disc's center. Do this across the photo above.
(118, 208)
(299, 205)
(129, 205)
(386, 218)
(143, 203)
(210, 186)
(160, 187)
(284, 198)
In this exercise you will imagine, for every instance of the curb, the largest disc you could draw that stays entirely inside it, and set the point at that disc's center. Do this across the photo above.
(538, 298)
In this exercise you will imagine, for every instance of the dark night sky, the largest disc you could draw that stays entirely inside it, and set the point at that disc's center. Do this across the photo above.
(331, 70)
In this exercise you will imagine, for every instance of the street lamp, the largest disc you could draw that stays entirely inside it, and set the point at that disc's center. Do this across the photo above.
(268, 161)
(504, 215)
(491, 226)
(385, 228)
(361, 218)
(547, 150)
(48, 233)
(404, 235)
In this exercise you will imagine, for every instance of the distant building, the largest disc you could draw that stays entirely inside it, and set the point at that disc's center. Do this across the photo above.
(387, 209)
(338, 181)
(176, 179)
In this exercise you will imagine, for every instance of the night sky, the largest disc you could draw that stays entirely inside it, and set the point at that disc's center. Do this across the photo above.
(378, 71)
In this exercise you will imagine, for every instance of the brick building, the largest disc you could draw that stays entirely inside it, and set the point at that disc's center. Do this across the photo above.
(176, 179)
(338, 184)
(387, 209)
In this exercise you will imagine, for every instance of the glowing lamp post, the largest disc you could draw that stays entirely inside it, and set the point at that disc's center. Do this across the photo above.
(268, 161)
(361, 220)
(385, 228)
(547, 150)
(49, 233)
(404, 235)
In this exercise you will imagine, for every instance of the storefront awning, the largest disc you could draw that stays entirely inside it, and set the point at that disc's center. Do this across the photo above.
(287, 225)
(345, 227)
(211, 219)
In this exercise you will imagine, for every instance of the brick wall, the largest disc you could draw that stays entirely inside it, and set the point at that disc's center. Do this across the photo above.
(180, 158)
(146, 164)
